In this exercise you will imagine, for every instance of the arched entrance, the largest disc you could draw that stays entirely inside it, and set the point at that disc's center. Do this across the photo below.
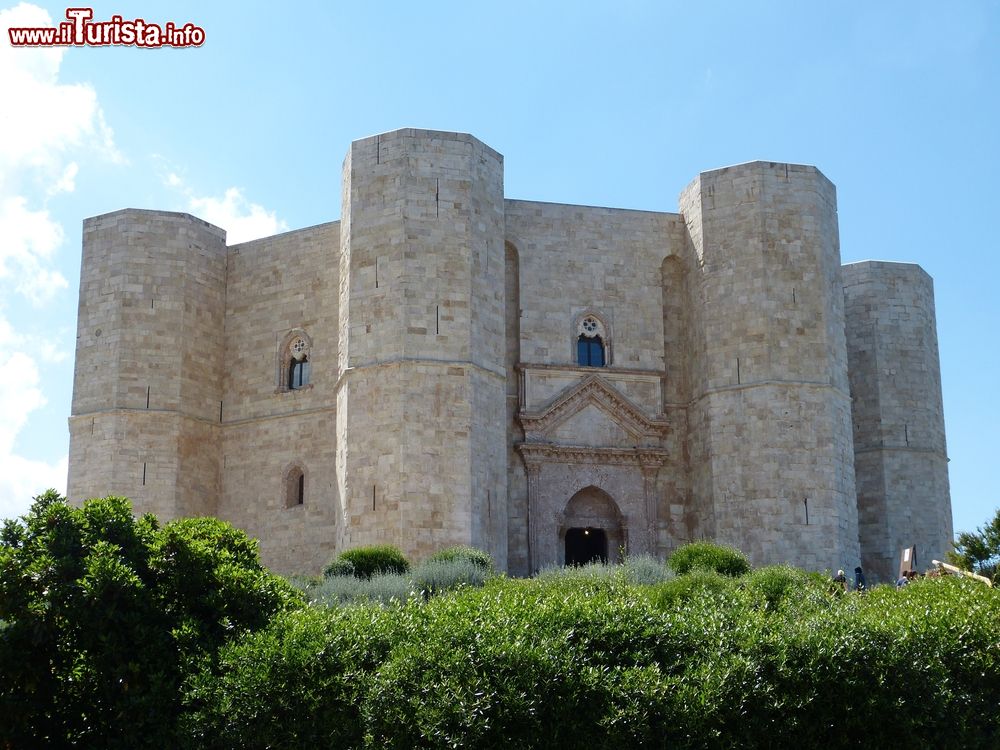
(586, 546)
(591, 528)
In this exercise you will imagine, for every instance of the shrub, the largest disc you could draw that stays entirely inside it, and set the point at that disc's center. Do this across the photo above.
(722, 559)
(434, 576)
(387, 589)
(698, 584)
(645, 570)
(339, 567)
(772, 586)
(341, 590)
(591, 572)
(369, 561)
(570, 659)
(298, 683)
(105, 613)
(476, 556)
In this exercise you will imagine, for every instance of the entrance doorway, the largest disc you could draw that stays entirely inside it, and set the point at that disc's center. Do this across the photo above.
(586, 545)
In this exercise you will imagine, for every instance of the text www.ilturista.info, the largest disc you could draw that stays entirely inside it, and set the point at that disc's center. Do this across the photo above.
(81, 31)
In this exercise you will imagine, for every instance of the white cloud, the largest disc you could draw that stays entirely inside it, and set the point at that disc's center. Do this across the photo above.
(42, 138)
(30, 238)
(21, 478)
(242, 220)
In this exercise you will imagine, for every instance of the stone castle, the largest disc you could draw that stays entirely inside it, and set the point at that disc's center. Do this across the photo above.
(550, 383)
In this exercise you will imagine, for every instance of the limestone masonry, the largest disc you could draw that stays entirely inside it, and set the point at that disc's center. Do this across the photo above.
(550, 383)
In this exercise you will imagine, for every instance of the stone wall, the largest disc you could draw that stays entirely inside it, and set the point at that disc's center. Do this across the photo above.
(771, 413)
(422, 452)
(278, 286)
(149, 362)
(900, 452)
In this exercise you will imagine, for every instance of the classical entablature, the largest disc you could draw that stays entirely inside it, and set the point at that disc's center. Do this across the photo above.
(646, 458)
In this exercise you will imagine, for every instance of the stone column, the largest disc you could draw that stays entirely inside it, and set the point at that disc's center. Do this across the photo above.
(534, 470)
(649, 472)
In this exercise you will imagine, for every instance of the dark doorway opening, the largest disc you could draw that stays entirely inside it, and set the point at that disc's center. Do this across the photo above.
(586, 545)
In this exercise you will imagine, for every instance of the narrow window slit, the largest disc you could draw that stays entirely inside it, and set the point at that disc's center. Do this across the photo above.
(143, 473)
(147, 396)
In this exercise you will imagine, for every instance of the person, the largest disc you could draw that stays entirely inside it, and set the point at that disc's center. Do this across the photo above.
(841, 579)
(903, 579)
(859, 579)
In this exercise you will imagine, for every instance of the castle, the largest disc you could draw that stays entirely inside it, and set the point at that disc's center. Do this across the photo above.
(550, 383)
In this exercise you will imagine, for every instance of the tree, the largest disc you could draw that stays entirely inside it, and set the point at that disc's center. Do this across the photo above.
(103, 614)
(979, 551)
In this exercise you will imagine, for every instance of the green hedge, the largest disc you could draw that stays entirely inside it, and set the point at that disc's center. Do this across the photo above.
(771, 661)
(728, 561)
(476, 556)
(365, 562)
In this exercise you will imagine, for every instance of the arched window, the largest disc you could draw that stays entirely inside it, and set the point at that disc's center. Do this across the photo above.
(295, 487)
(294, 367)
(590, 343)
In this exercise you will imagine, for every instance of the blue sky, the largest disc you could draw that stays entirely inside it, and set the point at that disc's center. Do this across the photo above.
(614, 104)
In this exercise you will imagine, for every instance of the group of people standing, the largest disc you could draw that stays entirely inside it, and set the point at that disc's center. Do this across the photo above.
(859, 580)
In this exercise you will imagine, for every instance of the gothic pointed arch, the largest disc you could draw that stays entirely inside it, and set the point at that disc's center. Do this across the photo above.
(294, 361)
(591, 339)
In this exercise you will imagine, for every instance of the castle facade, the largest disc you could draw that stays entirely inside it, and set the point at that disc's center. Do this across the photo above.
(550, 383)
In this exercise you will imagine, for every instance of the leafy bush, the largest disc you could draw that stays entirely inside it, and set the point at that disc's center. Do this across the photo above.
(645, 570)
(593, 572)
(476, 556)
(699, 584)
(772, 586)
(388, 588)
(369, 561)
(718, 557)
(565, 660)
(339, 567)
(434, 576)
(340, 590)
(298, 683)
(105, 613)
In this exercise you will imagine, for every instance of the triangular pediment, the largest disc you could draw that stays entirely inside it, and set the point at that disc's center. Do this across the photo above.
(592, 412)
(591, 425)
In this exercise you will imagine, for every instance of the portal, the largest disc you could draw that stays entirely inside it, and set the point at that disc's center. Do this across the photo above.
(586, 545)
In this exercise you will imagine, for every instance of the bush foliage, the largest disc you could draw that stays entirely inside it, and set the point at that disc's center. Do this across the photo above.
(376, 559)
(476, 556)
(767, 661)
(710, 556)
(104, 615)
(118, 633)
(434, 576)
